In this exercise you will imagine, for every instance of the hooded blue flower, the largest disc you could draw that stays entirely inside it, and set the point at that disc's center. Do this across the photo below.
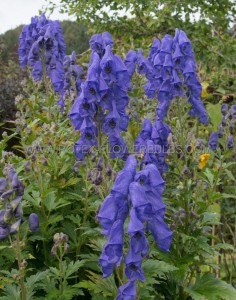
(104, 95)
(213, 141)
(42, 42)
(113, 251)
(34, 222)
(127, 291)
(118, 147)
(115, 205)
(138, 241)
(11, 214)
(145, 134)
(230, 142)
(130, 62)
(133, 266)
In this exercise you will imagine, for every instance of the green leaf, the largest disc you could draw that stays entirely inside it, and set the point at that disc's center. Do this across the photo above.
(214, 112)
(211, 288)
(153, 267)
(74, 267)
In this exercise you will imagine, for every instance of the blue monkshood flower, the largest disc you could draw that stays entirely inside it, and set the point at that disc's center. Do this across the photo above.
(115, 205)
(37, 71)
(178, 58)
(151, 178)
(155, 48)
(127, 291)
(220, 131)
(224, 109)
(73, 78)
(232, 113)
(42, 42)
(138, 241)
(177, 88)
(4, 232)
(130, 62)
(118, 147)
(161, 233)
(166, 44)
(14, 228)
(144, 65)
(150, 90)
(103, 95)
(198, 109)
(213, 141)
(145, 195)
(184, 43)
(160, 133)
(85, 142)
(34, 222)
(133, 266)
(144, 135)
(223, 121)
(113, 251)
(114, 70)
(230, 142)
(167, 67)
(98, 42)
(3, 185)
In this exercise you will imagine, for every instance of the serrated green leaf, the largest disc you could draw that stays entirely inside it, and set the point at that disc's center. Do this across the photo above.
(213, 288)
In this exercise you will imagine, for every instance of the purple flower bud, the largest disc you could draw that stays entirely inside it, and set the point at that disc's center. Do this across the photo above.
(3, 185)
(34, 222)
(224, 109)
(7, 194)
(108, 170)
(220, 131)
(3, 232)
(100, 164)
(213, 142)
(14, 228)
(223, 121)
(231, 128)
(27, 166)
(230, 142)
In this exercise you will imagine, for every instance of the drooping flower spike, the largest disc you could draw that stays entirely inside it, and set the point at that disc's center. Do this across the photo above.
(138, 194)
(11, 216)
(103, 100)
(170, 69)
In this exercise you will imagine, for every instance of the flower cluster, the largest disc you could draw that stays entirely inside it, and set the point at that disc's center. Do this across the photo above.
(42, 47)
(228, 120)
(102, 101)
(226, 127)
(152, 142)
(137, 193)
(11, 215)
(73, 78)
(60, 240)
(169, 66)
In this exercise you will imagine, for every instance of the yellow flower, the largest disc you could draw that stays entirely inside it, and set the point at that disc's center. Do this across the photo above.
(203, 160)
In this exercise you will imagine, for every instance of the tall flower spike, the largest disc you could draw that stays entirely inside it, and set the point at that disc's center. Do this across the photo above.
(213, 141)
(103, 98)
(112, 215)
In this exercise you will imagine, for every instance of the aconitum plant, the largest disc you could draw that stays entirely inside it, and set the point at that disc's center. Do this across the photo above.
(152, 142)
(42, 47)
(11, 215)
(73, 78)
(138, 195)
(171, 72)
(100, 107)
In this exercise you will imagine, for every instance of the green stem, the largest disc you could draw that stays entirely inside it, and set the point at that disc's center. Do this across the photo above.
(21, 269)
(61, 268)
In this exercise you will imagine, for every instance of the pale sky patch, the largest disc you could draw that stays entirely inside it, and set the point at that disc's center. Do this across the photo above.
(17, 12)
